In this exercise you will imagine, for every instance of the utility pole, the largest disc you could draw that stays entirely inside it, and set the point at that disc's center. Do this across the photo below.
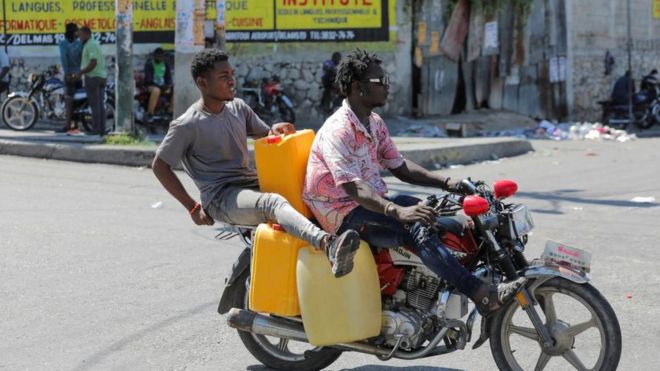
(124, 66)
(220, 24)
(631, 86)
(4, 23)
(188, 39)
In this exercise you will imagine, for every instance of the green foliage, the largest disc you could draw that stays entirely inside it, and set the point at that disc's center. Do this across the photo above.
(127, 140)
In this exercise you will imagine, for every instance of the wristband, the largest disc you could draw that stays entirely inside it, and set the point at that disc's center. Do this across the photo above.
(387, 208)
(194, 209)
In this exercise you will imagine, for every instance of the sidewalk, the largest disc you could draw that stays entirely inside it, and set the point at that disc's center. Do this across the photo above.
(432, 153)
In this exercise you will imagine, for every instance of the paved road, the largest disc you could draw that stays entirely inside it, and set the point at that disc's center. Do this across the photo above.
(94, 277)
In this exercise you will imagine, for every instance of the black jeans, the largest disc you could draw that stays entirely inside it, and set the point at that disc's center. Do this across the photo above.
(384, 231)
(95, 88)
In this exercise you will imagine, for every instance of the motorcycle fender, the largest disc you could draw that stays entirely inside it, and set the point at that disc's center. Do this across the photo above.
(485, 331)
(550, 270)
(232, 283)
(17, 94)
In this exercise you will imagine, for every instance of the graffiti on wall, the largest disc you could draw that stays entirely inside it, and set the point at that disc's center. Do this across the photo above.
(41, 22)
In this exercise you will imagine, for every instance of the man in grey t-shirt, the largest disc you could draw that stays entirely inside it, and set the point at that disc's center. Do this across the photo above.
(210, 140)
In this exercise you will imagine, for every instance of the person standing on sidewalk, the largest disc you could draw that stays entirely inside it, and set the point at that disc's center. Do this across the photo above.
(345, 191)
(70, 57)
(5, 67)
(93, 68)
(210, 140)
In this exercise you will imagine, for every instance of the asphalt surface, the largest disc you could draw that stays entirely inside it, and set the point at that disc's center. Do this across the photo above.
(100, 269)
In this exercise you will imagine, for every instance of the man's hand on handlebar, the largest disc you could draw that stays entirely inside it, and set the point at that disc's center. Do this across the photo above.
(454, 186)
(415, 213)
(462, 186)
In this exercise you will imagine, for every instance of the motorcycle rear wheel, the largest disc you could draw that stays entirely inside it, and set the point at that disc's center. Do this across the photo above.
(572, 344)
(18, 114)
(280, 355)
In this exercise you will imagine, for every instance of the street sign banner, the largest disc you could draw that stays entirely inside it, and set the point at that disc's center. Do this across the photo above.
(42, 23)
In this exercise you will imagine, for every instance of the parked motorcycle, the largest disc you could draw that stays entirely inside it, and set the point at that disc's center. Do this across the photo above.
(269, 100)
(646, 109)
(557, 310)
(45, 100)
(161, 118)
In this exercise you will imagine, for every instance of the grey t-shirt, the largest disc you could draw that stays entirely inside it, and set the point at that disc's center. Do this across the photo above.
(213, 147)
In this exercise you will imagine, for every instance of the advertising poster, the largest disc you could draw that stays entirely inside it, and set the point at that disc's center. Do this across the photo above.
(42, 22)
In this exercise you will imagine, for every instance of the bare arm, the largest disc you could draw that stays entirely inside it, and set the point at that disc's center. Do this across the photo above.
(88, 68)
(363, 194)
(412, 173)
(173, 185)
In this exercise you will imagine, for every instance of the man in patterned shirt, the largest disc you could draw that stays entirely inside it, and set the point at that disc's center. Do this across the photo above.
(344, 189)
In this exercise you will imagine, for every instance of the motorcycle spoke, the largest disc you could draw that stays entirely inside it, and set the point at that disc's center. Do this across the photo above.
(581, 327)
(543, 360)
(527, 332)
(283, 345)
(573, 359)
(17, 121)
(549, 308)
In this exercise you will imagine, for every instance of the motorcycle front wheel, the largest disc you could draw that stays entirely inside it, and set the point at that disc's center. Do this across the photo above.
(277, 353)
(19, 113)
(583, 325)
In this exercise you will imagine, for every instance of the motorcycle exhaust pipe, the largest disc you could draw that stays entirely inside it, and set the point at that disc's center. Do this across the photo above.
(245, 320)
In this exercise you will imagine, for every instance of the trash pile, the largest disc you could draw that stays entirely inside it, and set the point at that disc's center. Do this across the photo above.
(565, 131)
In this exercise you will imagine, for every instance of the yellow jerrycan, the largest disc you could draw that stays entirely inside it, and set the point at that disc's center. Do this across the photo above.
(281, 162)
(273, 272)
(338, 310)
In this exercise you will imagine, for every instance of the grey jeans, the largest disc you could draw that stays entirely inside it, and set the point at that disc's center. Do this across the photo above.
(95, 88)
(248, 206)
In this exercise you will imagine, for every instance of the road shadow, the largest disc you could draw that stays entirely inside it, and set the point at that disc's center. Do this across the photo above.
(92, 361)
(554, 198)
(565, 195)
(368, 368)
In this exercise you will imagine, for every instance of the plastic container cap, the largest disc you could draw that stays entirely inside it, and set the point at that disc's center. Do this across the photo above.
(274, 139)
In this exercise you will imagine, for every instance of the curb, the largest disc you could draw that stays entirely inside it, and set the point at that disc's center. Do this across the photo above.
(430, 154)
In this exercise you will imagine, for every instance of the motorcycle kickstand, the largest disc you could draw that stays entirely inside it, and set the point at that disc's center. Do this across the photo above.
(527, 305)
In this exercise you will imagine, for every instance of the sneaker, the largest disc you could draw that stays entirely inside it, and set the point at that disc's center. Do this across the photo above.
(491, 298)
(74, 131)
(341, 250)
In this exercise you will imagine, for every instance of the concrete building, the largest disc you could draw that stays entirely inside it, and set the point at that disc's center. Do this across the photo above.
(542, 58)
(597, 28)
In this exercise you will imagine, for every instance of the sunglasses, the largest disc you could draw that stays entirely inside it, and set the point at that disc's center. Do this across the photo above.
(385, 80)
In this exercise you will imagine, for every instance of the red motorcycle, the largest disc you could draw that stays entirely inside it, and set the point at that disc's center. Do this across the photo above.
(269, 100)
(557, 312)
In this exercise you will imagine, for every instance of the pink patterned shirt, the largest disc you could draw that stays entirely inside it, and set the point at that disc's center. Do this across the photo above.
(343, 152)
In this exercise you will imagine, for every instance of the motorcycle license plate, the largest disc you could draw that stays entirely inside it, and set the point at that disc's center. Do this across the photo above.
(562, 254)
(522, 219)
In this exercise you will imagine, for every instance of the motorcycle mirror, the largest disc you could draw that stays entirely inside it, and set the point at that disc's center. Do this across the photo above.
(475, 206)
(505, 188)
